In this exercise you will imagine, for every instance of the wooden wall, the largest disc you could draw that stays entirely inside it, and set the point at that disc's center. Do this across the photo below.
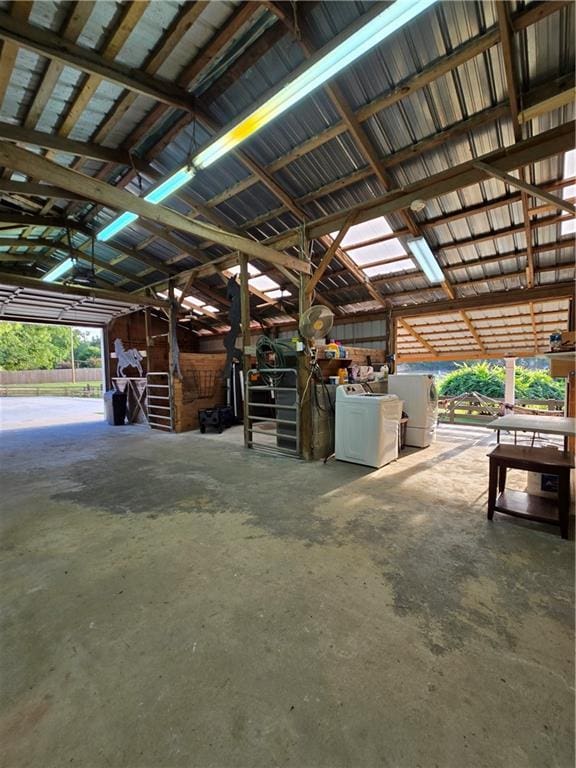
(132, 330)
(202, 386)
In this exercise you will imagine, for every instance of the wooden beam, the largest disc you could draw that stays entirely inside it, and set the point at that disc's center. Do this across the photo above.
(50, 45)
(129, 15)
(130, 299)
(531, 150)
(515, 297)
(557, 202)
(246, 339)
(37, 190)
(409, 329)
(534, 329)
(74, 24)
(30, 164)
(557, 101)
(67, 146)
(19, 13)
(490, 354)
(328, 256)
(472, 330)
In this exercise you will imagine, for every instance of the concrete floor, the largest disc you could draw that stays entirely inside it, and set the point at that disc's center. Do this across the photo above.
(176, 601)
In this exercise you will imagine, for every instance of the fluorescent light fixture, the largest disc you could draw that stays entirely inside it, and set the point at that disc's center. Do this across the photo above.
(426, 259)
(58, 271)
(210, 308)
(194, 300)
(115, 226)
(360, 42)
(170, 185)
(159, 193)
(278, 294)
(393, 18)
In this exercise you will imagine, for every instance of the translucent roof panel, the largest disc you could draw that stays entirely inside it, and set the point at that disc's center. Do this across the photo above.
(368, 254)
(387, 269)
(368, 230)
(263, 283)
(278, 293)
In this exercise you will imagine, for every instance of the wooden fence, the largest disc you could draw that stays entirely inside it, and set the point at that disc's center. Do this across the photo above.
(59, 375)
(92, 389)
(471, 408)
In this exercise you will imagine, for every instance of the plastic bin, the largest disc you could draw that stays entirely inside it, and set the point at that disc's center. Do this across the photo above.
(115, 407)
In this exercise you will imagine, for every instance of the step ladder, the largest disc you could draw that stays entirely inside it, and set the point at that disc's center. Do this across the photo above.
(159, 401)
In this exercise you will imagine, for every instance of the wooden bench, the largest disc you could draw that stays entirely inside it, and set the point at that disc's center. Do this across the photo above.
(547, 461)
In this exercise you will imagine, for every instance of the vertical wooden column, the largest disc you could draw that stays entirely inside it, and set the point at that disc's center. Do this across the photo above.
(148, 339)
(246, 341)
(304, 385)
(175, 391)
(391, 332)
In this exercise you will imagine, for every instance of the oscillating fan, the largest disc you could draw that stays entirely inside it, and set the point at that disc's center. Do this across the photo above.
(316, 322)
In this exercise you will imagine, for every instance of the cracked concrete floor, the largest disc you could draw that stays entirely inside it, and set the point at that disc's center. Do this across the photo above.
(175, 601)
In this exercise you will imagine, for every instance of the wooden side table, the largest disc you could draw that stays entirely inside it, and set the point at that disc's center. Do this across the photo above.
(547, 461)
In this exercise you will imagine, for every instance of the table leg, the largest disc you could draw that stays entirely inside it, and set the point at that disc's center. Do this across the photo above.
(492, 484)
(564, 502)
(502, 479)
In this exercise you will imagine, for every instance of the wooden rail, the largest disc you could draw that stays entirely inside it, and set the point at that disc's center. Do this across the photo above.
(471, 409)
(89, 390)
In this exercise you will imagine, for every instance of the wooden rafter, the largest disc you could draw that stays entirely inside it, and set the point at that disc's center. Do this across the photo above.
(553, 200)
(131, 299)
(534, 329)
(56, 143)
(507, 43)
(429, 74)
(70, 30)
(19, 13)
(544, 145)
(51, 46)
(28, 163)
(472, 329)
(414, 333)
(328, 256)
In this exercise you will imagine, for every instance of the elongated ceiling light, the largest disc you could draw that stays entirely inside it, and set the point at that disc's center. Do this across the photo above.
(395, 16)
(426, 259)
(58, 271)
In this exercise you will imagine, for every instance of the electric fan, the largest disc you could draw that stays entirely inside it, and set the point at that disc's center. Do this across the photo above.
(316, 322)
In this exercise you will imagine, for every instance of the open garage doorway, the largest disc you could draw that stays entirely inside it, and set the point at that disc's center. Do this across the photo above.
(49, 374)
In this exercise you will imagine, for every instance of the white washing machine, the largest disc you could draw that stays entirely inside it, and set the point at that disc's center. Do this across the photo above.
(366, 426)
(418, 391)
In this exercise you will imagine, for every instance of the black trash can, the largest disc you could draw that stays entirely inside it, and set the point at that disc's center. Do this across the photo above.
(115, 407)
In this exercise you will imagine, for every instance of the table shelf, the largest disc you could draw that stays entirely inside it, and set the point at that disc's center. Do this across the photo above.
(528, 506)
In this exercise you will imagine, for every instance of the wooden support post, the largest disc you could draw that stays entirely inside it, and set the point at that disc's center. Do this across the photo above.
(246, 341)
(392, 336)
(305, 383)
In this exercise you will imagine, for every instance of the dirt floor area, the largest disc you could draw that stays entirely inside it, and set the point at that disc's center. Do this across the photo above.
(175, 601)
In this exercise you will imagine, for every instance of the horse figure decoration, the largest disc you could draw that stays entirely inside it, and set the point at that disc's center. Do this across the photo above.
(127, 358)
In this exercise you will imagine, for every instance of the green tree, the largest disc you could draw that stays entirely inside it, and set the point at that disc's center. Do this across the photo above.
(488, 380)
(25, 346)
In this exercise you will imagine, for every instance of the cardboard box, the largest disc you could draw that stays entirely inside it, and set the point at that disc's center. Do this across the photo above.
(562, 368)
(568, 340)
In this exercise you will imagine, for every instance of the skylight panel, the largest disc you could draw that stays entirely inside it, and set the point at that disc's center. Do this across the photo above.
(367, 230)
(278, 293)
(263, 283)
(569, 227)
(388, 269)
(368, 254)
